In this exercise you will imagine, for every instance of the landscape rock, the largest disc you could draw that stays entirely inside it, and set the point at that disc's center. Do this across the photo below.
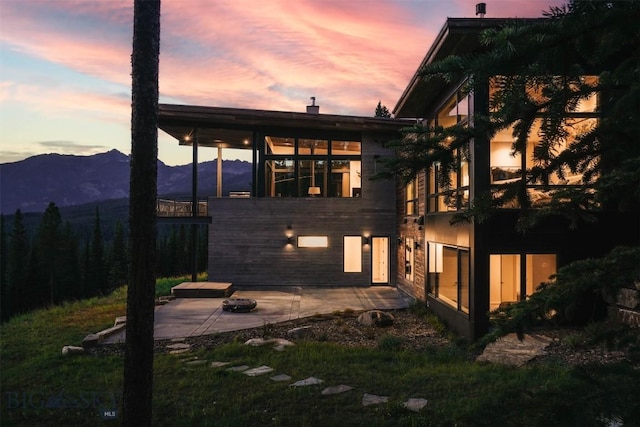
(69, 350)
(91, 340)
(301, 333)
(509, 350)
(376, 318)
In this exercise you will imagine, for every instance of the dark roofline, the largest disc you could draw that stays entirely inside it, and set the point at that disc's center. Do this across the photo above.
(457, 36)
(235, 124)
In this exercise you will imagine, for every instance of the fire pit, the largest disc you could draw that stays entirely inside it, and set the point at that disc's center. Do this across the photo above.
(239, 305)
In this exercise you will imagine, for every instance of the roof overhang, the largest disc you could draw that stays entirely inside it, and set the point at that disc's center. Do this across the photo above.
(234, 127)
(458, 36)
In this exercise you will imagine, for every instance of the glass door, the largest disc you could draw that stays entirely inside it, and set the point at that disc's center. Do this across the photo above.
(380, 260)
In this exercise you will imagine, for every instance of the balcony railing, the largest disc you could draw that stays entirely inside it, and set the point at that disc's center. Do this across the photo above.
(180, 208)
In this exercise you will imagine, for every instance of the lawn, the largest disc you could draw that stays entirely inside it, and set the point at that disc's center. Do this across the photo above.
(41, 387)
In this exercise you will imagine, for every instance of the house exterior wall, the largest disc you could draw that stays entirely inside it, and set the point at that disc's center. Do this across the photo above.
(248, 236)
(409, 227)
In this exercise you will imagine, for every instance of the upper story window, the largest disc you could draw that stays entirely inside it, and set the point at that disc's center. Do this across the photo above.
(411, 197)
(507, 164)
(306, 167)
(441, 198)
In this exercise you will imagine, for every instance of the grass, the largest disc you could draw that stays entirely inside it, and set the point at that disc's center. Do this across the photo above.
(40, 387)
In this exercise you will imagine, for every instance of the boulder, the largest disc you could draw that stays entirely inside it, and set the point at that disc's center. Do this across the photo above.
(376, 318)
(300, 333)
(69, 350)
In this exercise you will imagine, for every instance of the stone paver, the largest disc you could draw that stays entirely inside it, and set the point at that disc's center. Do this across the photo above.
(373, 399)
(260, 370)
(337, 389)
(307, 382)
(509, 350)
(415, 404)
(218, 364)
(280, 377)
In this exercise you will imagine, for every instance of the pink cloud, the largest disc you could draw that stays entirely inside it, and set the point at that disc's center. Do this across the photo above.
(252, 54)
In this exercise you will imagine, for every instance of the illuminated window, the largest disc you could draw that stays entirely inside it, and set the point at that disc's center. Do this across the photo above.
(448, 275)
(505, 276)
(305, 167)
(439, 198)
(313, 241)
(352, 254)
(507, 164)
(411, 197)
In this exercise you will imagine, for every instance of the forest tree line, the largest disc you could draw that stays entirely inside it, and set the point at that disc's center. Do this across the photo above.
(53, 263)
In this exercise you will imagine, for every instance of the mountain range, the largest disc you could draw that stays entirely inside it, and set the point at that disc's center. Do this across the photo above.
(68, 180)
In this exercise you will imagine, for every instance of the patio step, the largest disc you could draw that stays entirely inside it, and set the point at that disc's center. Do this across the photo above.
(202, 290)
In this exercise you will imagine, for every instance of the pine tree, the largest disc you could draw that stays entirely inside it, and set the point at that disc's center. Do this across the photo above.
(382, 111)
(138, 360)
(98, 270)
(48, 246)
(68, 276)
(14, 292)
(118, 266)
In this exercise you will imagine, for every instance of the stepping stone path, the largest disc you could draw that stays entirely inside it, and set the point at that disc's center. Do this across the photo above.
(413, 404)
(179, 348)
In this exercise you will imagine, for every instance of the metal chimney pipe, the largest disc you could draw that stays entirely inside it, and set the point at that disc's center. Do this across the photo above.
(481, 9)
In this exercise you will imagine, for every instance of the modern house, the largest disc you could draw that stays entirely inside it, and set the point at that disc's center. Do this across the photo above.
(313, 217)
(465, 271)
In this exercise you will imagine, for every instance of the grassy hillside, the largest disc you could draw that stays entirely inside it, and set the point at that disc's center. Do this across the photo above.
(41, 387)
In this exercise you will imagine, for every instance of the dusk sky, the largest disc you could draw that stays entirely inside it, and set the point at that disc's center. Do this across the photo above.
(65, 70)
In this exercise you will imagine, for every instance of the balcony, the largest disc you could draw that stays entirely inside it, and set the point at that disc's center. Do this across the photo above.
(180, 211)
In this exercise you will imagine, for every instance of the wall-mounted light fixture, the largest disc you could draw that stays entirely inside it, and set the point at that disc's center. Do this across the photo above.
(416, 244)
(399, 241)
(365, 240)
(289, 240)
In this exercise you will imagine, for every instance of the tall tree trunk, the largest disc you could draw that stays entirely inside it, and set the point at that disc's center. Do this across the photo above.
(138, 364)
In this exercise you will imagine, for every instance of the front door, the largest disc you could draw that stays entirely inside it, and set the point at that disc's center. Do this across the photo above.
(380, 260)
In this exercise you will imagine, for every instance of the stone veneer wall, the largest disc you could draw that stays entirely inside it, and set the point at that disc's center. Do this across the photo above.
(625, 305)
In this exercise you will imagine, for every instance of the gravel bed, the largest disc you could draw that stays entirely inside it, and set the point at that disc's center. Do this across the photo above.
(408, 332)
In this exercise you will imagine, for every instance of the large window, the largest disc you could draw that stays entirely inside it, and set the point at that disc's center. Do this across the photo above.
(304, 167)
(352, 254)
(507, 275)
(507, 164)
(448, 275)
(441, 198)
